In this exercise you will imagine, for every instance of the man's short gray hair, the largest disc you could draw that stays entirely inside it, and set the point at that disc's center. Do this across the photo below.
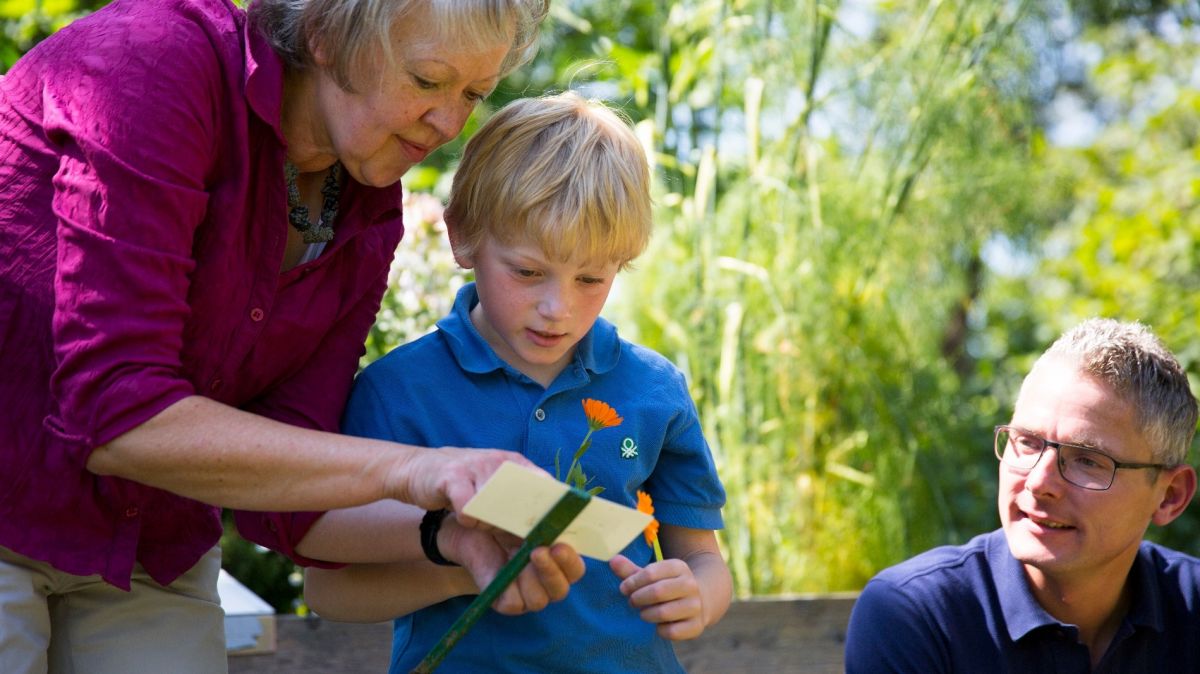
(1137, 366)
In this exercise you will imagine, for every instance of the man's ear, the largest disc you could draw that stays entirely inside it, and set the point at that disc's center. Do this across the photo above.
(1180, 490)
(455, 236)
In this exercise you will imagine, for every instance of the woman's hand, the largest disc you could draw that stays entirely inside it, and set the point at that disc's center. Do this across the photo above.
(547, 578)
(447, 477)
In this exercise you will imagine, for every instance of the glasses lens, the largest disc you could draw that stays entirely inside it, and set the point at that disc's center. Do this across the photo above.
(1018, 449)
(1088, 469)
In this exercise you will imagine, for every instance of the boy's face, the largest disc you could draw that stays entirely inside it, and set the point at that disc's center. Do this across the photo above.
(532, 310)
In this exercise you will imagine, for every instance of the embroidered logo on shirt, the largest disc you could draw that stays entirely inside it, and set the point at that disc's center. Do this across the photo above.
(628, 449)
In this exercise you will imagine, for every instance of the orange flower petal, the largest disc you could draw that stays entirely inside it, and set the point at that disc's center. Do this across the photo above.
(651, 532)
(600, 414)
(646, 505)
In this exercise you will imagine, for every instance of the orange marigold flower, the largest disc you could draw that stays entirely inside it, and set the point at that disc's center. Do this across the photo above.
(600, 414)
(645, 505)
(651, 534)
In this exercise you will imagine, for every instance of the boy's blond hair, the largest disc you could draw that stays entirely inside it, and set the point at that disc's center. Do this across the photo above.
(563, 172)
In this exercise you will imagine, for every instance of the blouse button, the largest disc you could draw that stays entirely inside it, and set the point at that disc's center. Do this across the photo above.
(216, 385)
(131, 512)
(256, 314)
(539, 414)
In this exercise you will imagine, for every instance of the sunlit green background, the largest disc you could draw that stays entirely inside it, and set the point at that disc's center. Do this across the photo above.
(871, 216)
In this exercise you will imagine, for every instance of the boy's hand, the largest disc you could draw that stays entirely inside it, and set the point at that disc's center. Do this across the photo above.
(667, 594)
(547, 578)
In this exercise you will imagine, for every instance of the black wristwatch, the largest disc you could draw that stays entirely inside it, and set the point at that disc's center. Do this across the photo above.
(431, 524)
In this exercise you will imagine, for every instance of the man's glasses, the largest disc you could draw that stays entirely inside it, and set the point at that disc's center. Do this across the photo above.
(1081, 466)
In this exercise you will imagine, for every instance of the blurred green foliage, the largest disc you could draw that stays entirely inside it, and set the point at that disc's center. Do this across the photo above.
(26, 22)
(871, 217)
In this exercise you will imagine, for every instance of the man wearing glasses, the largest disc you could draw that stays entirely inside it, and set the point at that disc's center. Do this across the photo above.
(1095, 452)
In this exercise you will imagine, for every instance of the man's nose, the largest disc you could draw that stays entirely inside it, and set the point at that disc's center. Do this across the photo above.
(1045, 476)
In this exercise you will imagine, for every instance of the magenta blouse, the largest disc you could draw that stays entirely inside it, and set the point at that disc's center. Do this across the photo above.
(142, 229)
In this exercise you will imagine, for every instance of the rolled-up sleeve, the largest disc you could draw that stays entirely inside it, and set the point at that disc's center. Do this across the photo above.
(128, 196)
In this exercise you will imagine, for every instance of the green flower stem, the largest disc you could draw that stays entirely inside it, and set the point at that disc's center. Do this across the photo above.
(544, 533)
(571, 478)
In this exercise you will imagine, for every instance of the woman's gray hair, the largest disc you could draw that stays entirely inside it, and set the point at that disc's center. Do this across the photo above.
(356, 35)
(1140, 369)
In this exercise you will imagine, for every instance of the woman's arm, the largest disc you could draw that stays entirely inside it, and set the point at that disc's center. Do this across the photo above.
(219, 455)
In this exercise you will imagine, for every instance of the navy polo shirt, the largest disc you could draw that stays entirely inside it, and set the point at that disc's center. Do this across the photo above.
(969, 608)
(449, 388)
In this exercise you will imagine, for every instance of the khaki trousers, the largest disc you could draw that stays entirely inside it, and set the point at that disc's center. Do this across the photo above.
(55, 622)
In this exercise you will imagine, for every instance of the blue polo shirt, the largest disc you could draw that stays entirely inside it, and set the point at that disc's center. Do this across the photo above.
(449, 388)
(969, 608)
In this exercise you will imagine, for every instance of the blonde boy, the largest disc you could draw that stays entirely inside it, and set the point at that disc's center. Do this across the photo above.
(550, 201)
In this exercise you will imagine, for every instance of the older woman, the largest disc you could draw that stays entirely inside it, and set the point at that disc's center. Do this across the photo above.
(200, 207)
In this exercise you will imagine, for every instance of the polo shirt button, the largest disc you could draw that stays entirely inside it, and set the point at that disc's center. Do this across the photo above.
(257, 314)
(539, 414)
(131, 512)
(216, 384)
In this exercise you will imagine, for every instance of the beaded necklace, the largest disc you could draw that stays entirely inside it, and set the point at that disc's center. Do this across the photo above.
(322, 230)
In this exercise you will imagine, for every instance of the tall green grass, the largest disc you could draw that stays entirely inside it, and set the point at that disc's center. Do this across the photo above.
(807, 286)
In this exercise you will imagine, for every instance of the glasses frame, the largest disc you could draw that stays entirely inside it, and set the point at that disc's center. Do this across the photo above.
(1059, 461)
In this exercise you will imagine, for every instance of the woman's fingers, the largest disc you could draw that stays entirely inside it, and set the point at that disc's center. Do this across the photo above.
(447, 477)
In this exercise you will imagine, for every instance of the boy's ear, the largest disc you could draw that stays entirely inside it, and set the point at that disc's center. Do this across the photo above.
(455, 236)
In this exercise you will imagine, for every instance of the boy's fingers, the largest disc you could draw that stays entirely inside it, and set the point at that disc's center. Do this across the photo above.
(509, 602)
(675, 610)
(650, 590)
(569, 561)
(681, 630)
(533, 595)
(653, 574)
(624, 568)
(546, 579)
(550, 574)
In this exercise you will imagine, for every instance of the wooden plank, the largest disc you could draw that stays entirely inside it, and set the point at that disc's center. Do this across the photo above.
(758, 635)
(773, 635)
(315, 646)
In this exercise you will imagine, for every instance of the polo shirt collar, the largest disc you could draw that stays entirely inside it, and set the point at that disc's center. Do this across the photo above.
(1148, 608)
(1023, 614)
(597, 352)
